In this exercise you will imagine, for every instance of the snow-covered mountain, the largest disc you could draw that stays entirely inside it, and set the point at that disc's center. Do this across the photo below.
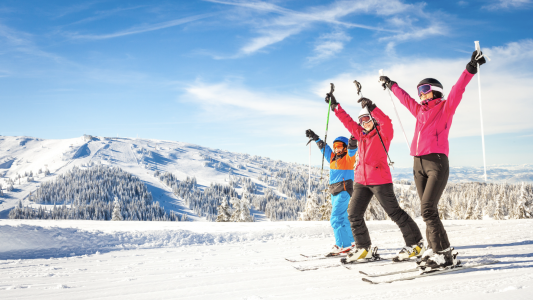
(141, 157)
(144, 157)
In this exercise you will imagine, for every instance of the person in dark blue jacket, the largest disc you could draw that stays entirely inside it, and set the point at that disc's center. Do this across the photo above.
(341, 161)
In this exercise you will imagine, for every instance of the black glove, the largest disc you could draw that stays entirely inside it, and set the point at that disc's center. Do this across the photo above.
(311, 134)
(334, 102)
(352, 144)
(471, 67)
(386, 82)
(368, 103)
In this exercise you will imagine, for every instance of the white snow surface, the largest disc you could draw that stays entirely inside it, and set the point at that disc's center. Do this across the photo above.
(202, 260)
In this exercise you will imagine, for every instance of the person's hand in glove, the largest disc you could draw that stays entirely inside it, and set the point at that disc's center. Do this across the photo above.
(311, 134)
(365, 102)
(471, 67)
(334, 102)
(386, 82)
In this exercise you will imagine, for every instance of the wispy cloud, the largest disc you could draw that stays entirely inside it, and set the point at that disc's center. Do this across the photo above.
(98, 15)
(328, 45)
(507, 4)
(19, 41)
(274, 23)
(140, 29)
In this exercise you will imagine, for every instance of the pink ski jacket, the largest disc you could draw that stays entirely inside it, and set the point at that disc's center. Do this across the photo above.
(433, 119)
(372, 167)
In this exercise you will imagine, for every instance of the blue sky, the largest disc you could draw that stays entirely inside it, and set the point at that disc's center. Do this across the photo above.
(250, 76)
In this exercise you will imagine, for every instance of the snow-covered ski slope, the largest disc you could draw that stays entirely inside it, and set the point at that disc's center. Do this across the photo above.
(142, 157)
(201, 260)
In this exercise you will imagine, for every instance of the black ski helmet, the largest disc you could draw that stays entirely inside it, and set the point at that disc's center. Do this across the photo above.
(432, 82)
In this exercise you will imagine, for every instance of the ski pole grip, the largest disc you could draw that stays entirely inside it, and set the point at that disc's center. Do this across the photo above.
(478, 49)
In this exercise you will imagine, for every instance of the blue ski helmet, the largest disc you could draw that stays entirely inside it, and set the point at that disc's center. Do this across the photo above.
(341, 139)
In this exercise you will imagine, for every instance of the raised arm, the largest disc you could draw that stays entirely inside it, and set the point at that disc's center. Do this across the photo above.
(352, 146)
(354, 128)
(320, 143)
(456, 94)
(402, 95)
(385, 124)
(405, 99)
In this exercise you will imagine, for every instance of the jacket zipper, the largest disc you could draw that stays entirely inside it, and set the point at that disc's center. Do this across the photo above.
(417, 140)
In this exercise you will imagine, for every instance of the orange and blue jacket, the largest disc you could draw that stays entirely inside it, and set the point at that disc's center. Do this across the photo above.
(341, 167)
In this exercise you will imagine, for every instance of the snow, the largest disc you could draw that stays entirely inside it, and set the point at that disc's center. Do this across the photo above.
(203, 260)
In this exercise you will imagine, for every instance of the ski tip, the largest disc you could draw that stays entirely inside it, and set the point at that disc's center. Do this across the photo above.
(364, 273)
(368, 280)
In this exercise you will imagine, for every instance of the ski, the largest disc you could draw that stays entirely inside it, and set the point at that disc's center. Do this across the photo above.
(312, 257)
(389, 273)
(433, 272)
(316, 267)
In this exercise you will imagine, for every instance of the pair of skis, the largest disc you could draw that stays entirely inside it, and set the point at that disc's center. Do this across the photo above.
(454, 268)
(416, 272)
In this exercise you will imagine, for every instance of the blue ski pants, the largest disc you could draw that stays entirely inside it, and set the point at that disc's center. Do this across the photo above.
(339, 219)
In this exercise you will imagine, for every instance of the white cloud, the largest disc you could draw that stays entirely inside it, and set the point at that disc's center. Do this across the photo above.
(140, 29)
(286, 22)
(505, 89)
(328, 45)
(507, 4)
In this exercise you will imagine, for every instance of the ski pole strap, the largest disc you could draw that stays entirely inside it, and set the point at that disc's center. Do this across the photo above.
(391, 163)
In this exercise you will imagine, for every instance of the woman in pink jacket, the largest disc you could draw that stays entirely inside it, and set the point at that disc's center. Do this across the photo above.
(373, 178)
(430, 149)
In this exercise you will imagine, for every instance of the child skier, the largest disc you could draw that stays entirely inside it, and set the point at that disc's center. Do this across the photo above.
(373, 177)
(430, 149)
(342, 160)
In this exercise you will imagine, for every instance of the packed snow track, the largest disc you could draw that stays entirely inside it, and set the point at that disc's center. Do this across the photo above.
(201, 260)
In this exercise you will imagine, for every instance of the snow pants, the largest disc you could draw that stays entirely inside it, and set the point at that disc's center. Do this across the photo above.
(362, 194)
(339, 219)
(431, 176)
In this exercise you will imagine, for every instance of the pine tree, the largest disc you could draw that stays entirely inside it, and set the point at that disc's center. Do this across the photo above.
(325, 209)
(117, 216)
(312, 209)
(498, 210)
(522, 210)
(224, 214)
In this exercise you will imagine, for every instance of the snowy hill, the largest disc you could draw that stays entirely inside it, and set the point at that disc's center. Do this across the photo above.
(144, 158)
(140, 157)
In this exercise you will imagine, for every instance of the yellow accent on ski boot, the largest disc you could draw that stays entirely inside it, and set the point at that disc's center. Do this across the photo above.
(409, 252)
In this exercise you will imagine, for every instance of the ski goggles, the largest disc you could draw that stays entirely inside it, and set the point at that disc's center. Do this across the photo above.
(338, 145)
(427, 88)
(364, 119)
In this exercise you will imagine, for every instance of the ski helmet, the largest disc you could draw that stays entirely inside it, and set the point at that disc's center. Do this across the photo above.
(342, 140)
(364, 113)
(437, 88)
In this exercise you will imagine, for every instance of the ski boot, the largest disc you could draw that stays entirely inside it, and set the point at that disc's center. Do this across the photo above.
(422, 260)
(361, 255)
(337, 251)
(409, 252)
(444, 259)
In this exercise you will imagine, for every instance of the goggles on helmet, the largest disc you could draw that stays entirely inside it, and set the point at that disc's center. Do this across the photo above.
(364, 119)
(427, 88)
(338, 145)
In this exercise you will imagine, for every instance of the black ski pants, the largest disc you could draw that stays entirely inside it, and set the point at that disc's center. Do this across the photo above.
(431, 176)
(361, 196)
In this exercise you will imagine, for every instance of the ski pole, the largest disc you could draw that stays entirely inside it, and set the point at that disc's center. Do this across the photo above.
(309, 169)
(478, 56)
(327, 123)
(398, 116)
(358, 86)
